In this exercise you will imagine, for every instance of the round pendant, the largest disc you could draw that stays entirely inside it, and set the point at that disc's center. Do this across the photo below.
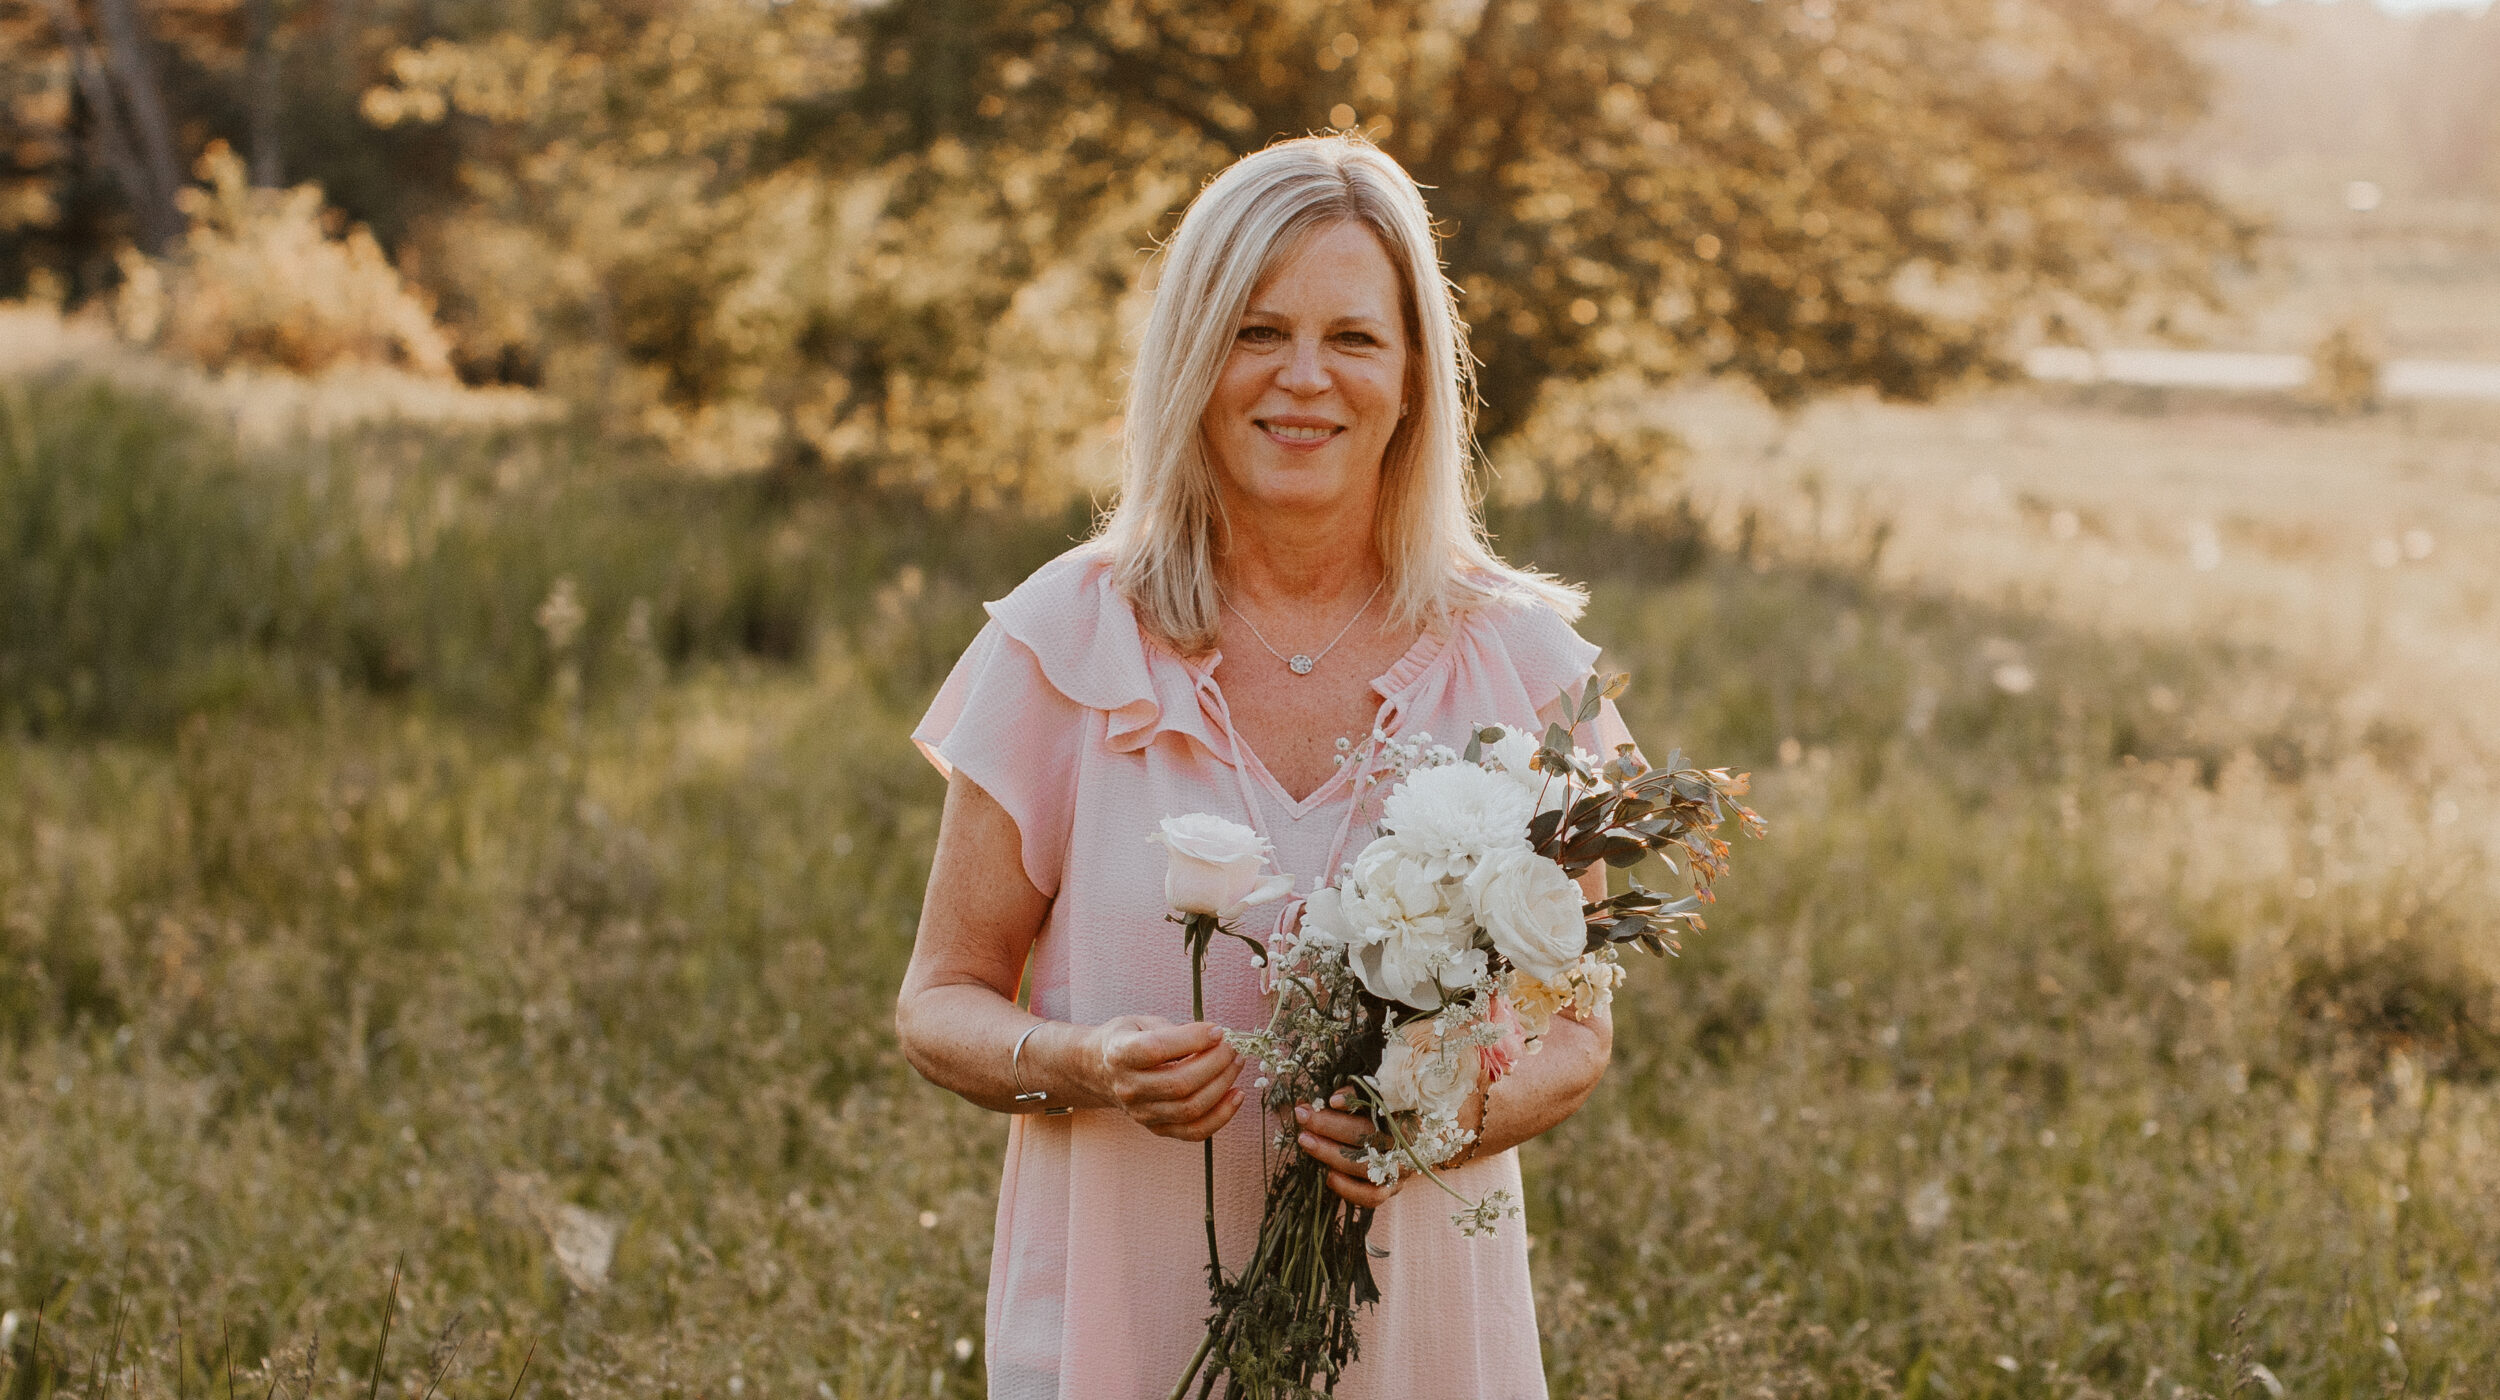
(1301, 665)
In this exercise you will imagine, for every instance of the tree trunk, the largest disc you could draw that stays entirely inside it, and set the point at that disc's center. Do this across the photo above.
(262, 95)
(160, 221)
(143, 96)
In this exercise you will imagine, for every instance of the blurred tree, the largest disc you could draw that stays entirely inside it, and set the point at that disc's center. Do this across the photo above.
(753, 231)
(104, 103)
(901, 235)
(1812, 194)
(261, 276)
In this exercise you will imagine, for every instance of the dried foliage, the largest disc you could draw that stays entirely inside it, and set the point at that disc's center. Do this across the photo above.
(259, 278)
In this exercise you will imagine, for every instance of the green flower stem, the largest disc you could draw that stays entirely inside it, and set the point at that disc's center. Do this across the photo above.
(1202, 932)
(1197, 1360)
(1406, 1149)
(1283, 1250)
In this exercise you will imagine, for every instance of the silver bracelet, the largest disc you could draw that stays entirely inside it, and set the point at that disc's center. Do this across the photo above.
(1015, 1070)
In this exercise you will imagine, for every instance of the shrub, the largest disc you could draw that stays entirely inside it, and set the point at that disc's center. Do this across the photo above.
(261, 278)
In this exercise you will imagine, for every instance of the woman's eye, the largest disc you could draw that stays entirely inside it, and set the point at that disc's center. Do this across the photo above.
(1259, 335)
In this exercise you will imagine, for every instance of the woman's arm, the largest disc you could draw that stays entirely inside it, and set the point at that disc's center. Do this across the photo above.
(958, 1021)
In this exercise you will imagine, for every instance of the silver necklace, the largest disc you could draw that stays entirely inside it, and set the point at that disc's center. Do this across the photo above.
(1300, 663)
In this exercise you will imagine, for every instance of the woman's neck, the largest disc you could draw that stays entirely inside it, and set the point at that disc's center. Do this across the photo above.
(1298, 562)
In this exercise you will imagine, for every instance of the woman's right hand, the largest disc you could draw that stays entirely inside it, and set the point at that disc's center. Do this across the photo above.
(1172, 1079)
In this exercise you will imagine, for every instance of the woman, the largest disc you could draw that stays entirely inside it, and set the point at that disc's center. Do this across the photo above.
(1293, 566)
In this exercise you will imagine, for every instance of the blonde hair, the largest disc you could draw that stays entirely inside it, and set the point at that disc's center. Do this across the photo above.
(1161, 535)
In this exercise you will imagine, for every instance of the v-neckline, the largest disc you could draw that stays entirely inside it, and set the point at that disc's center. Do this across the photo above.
(1411, 663)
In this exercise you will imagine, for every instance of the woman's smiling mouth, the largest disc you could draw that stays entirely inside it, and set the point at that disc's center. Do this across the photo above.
(1304, 433)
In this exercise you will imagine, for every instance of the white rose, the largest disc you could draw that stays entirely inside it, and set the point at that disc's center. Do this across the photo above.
(1368, 899)
(1419, 1076)
(1532, 910)
(1214, 866)
(1453, 814)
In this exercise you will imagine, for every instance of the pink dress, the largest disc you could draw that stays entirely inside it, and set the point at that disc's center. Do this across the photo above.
(1088, 735)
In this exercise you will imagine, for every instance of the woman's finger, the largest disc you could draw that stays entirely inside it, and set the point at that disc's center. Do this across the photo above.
(1153, 1045)
(1360, 1191)
(1208, 1125)
(1333, 1155)
(1179, 1079)
(1197, 1104)
(1340, 1127)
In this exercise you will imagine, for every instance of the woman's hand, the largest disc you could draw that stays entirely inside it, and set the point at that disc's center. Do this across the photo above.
(1335, 1139)
(1175, 1080)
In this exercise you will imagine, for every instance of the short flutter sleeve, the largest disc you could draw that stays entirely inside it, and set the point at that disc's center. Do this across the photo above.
(1551, 657)
(1000, 722)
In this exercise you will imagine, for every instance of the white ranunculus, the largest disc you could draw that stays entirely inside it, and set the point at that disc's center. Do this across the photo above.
(1532, 910)
(1214, 866)
(1419, 1075)
(1452, 815)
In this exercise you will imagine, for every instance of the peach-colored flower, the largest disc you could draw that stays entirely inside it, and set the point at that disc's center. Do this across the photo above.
(1496, 1060)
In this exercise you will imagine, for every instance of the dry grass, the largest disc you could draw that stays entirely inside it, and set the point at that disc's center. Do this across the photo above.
(265, 408)
(2112, 1013)
(2356, 549)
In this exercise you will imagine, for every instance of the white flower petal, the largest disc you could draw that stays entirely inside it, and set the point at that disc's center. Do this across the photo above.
(1533, 912)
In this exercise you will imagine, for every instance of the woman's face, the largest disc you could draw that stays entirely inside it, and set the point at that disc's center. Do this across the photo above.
(1310, 393)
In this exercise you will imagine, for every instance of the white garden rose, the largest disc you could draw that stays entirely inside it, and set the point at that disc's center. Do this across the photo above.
(1421, 1076)
(1450, 816)
(1532, 911)
(1214, 866)
(1366, 901)
(1398, 880)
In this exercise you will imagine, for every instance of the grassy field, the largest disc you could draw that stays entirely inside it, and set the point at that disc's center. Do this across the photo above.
(457, 852)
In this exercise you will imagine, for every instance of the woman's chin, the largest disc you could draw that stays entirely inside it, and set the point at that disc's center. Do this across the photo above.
(1300, 487)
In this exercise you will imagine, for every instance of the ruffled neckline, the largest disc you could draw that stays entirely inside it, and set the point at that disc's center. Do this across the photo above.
(1086, 637)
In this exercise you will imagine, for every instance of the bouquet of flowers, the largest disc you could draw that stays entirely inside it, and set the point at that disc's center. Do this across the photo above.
(1438, 958)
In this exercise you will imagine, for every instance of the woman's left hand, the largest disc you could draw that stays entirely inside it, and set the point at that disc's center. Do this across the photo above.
(1335, 1139)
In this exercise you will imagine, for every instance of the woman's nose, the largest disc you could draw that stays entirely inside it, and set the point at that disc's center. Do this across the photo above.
(1303, 373)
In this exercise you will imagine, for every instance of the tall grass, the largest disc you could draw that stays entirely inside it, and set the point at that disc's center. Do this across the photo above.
(152, 571)
(2015, 1064)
